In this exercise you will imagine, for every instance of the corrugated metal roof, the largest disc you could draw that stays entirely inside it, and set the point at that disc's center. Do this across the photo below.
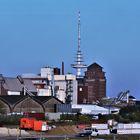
(13, 84)
(90, 109)
(29, 85)
(13, 99)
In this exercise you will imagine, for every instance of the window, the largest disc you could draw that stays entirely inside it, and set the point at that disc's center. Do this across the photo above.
(80, 89)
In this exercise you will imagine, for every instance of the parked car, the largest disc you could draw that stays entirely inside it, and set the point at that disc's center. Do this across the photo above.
(94, 132)
(89, 131)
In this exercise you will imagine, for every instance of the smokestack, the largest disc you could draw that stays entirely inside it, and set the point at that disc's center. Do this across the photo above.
(62, 68)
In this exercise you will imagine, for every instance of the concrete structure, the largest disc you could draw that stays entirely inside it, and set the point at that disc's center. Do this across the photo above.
(66, 88)
(51, 83)
(79, 58)
(48, 83)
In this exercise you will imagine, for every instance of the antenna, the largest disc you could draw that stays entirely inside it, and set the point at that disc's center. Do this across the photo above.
(79, 65)
(79, 33)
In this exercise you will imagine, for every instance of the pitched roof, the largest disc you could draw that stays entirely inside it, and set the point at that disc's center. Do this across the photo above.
(11, 99)
(132, 98)
(29, 85)
(14, 84)
(44, 99)
(94, 65)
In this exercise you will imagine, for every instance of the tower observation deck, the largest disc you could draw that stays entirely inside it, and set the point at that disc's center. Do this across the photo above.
(79, 65)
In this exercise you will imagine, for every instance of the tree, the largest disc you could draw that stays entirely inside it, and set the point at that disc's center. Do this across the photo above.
(1, 108)
(130, 114)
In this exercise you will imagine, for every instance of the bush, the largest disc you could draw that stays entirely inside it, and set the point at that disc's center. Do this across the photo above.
(10, 119)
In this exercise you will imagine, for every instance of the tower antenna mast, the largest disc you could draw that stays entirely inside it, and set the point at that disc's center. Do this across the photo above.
(79, 59)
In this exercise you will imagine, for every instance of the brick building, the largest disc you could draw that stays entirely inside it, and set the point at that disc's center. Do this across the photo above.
(92, 87)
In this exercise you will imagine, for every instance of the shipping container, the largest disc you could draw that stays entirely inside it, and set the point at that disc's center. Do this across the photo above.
(27, 123)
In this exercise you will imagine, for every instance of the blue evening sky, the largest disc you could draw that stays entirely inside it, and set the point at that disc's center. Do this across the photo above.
(38, 33)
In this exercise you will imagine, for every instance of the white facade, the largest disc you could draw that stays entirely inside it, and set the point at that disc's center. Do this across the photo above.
(13, 93)
(91, 109)
(61, 95)
(74, 97)
(58, 85)
(63, 82)
(46, 71)
(44, 92)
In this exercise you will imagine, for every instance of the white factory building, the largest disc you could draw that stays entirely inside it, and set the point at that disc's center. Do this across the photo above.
(90, 109)
(62, 86)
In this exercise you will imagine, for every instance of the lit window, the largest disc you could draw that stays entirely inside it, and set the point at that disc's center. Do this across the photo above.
(80, 89)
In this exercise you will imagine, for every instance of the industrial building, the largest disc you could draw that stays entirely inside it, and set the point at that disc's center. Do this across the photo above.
(70, 89)
(23, 104)
(51, 83)
(92, 87)
(91, 109)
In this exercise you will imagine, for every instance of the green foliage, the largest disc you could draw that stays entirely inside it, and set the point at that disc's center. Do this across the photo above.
(1, 108)
(67, 117)
(84, 119)
(130, 114)
(75, 118)
(130, 109)
(9, 119)
(127, 114)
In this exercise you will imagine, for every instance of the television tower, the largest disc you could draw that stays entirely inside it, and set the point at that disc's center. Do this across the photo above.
(79, 59)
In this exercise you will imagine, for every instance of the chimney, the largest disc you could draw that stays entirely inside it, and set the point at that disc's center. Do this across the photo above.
(62, 68)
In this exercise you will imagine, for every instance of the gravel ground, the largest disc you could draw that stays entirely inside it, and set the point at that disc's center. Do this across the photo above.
(58, 133)
(4, 131)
